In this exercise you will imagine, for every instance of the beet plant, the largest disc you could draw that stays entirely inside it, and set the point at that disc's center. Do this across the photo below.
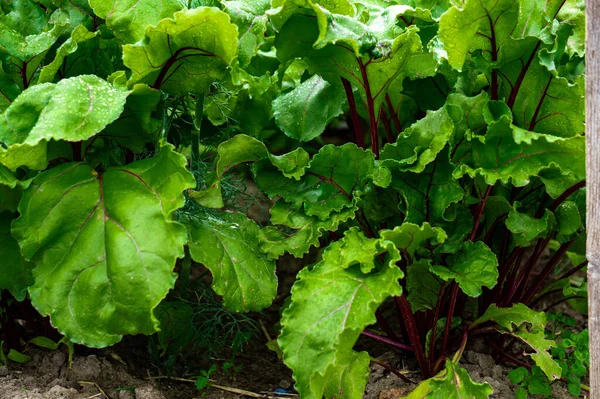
(451, 205)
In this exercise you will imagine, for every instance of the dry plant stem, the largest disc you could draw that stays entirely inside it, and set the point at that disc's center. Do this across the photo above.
(358, 135)
(393, 371)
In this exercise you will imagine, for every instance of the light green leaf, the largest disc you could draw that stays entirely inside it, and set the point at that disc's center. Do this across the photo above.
(408, 237)
(529, 326)
(305, 112)
(419, 144)
(99, 273)
(473, 267)
(476, 25)
(453, 382)
(242, 149)
(526, 228)
(15, 272)
(228, 246)
(336, 45)
(80, 34)
(128, 19)
(355, 248)
(524, 154)
(73, 109)
(250, 17)
(27, 32)
(317, 337)
(307, 230)
(184, 54)
(330, 182)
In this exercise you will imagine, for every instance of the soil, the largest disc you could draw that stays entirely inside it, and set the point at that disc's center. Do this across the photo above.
(126, 371)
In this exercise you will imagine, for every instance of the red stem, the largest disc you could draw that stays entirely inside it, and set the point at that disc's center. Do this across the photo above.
(480, 213)
(436, 317)
(413, 334)
(388, 341)
(547, 270)
(393, 113)
(387, 126)
(373, 122)
(358, 135)
(451, 307)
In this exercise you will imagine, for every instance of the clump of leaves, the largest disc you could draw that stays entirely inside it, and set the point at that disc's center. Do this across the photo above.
(462, 168)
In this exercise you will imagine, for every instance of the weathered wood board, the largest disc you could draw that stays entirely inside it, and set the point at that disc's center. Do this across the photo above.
(593, 187)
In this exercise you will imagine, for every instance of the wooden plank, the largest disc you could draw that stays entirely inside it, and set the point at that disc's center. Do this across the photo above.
(593, 187)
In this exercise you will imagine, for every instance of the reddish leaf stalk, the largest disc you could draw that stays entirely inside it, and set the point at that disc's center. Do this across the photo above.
(355, 119)
(388, 341)
(387, 126)
(393, 113)
(373, 122)
(547, 270)
(453, 297)
(436, 316)
(480, 213)
(413, 334)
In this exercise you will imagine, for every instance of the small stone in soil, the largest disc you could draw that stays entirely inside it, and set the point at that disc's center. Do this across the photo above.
(3, 371)
(285, 384)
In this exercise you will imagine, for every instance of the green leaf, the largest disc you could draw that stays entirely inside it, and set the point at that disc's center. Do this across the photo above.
(540, 107)
(482, 29)
(453, 382)
(317, 337)
(305, 112)
(524, 154)
(136, 125)
(15, 272)
(526, 228)
(408, 237)
(184, 54)
(99, 273)
(439, 328)
(528, 326)
(250, 17)
(518, 375)
(129, 19)
(422, 285)
(419, 144)
(473, 267)
(338, 45)
(228, 246)
(242, 149)
(330, 182)
(428, 195)
(306, 230)
(26, 32)
(73, 110)
(71, 45)
(355, 248)
(18, 357)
